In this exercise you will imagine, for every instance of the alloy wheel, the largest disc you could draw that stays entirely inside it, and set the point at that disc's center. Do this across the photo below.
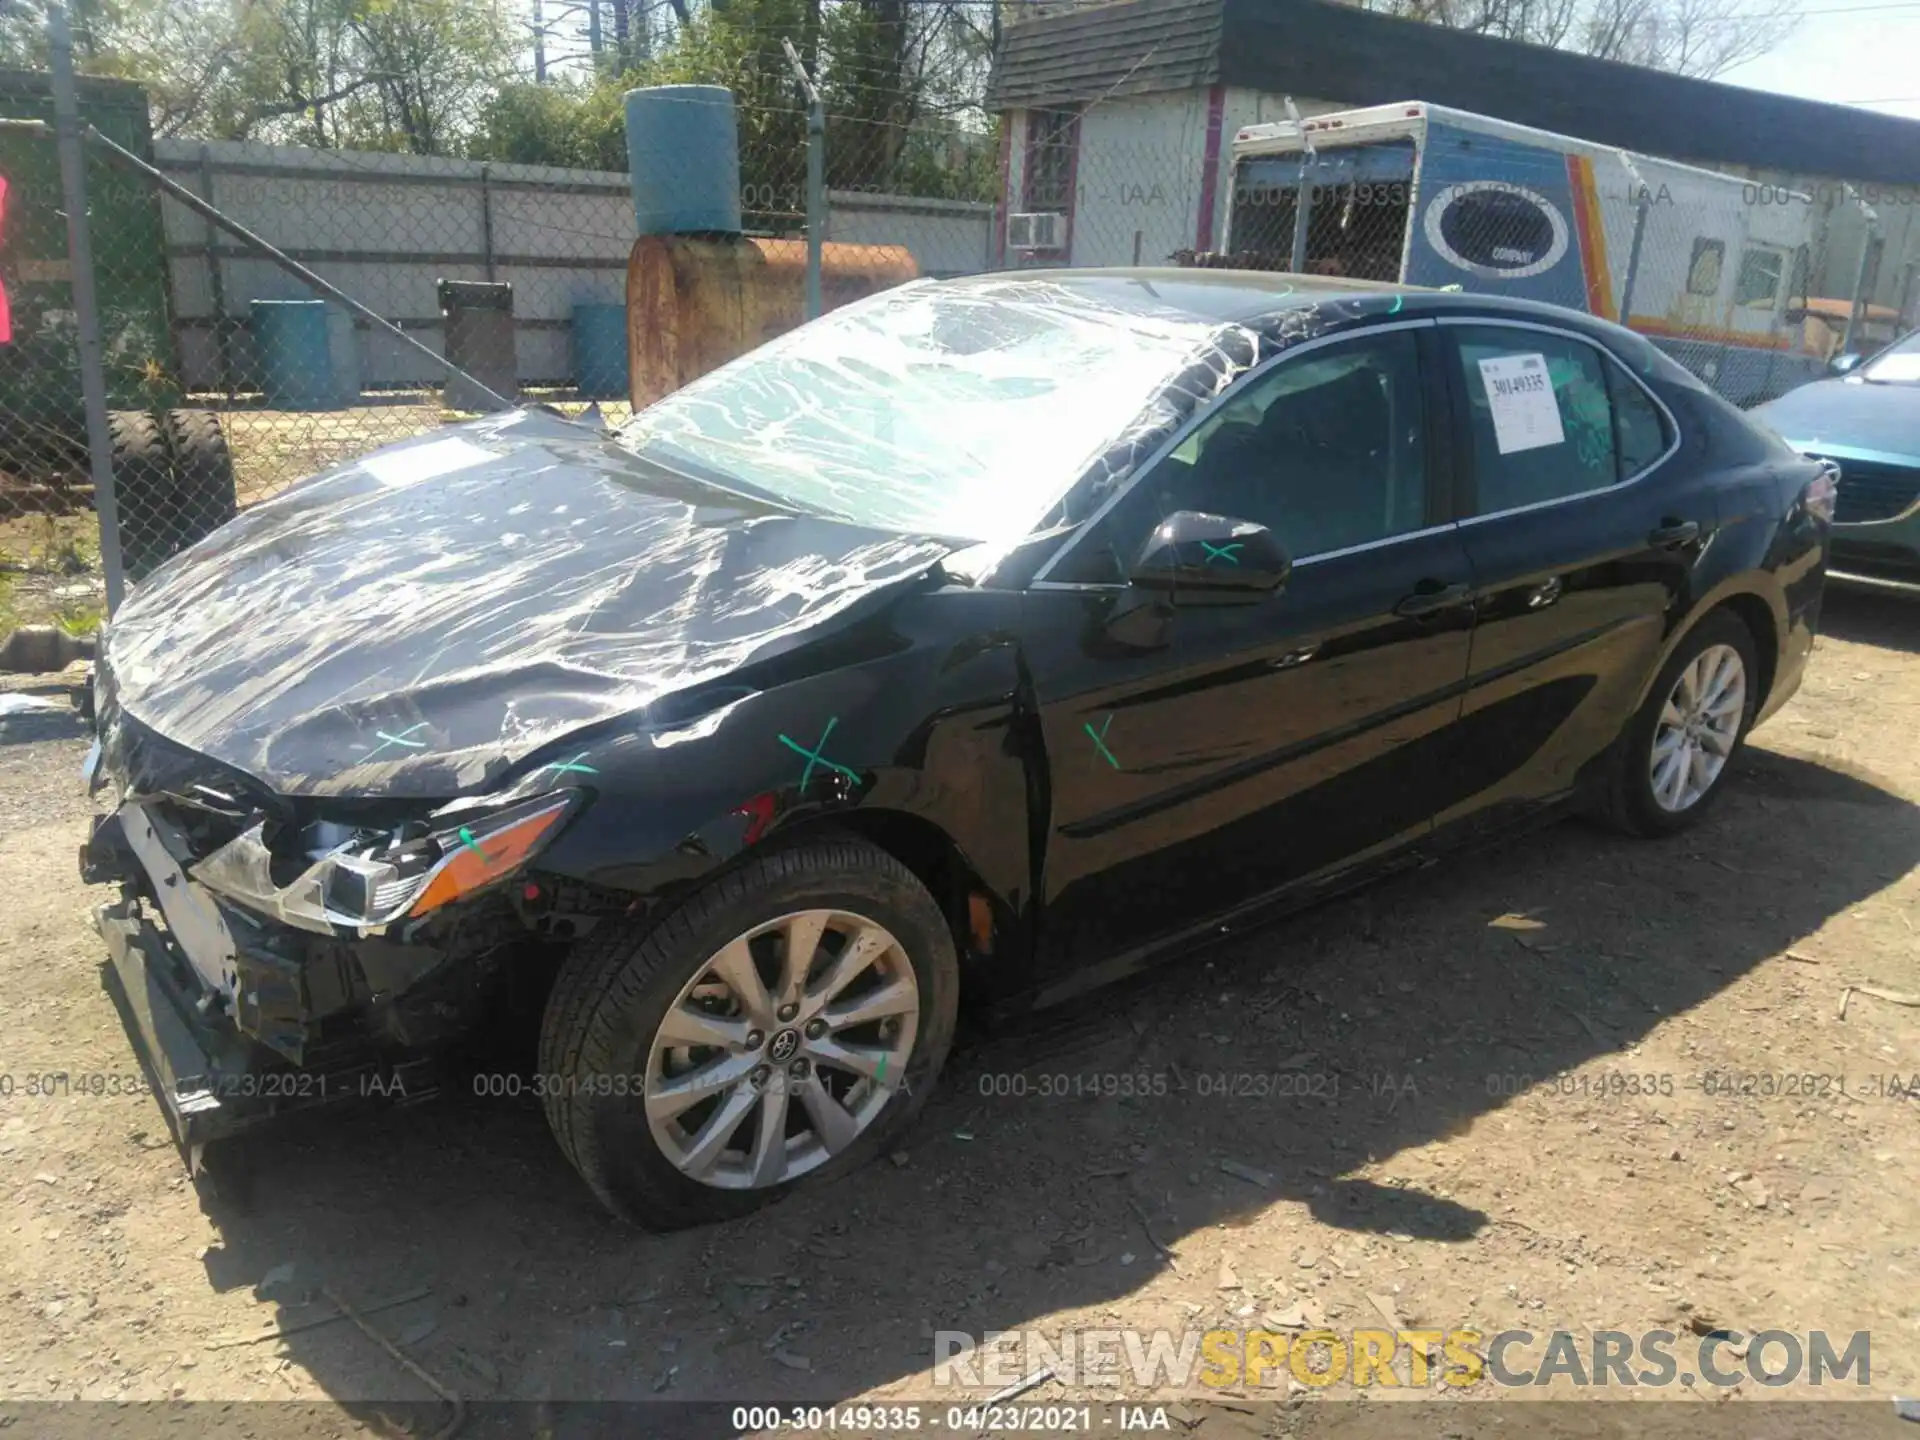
(1697, 729)
(782, 1049)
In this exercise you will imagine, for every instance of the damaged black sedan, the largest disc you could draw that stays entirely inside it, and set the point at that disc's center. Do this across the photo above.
(986, 639)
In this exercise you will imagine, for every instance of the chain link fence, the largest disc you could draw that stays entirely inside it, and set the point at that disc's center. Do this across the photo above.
(263, 312)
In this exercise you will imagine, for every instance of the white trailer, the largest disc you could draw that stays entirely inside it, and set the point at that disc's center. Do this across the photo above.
(1708, 266)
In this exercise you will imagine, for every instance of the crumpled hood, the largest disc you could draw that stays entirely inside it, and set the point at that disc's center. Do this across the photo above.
(418, 621)
(1854, 414)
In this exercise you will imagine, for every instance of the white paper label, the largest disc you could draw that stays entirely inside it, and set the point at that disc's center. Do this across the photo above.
(1520, 394)
(422, 462)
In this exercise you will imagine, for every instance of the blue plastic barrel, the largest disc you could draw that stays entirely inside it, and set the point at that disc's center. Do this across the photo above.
(343, 351)
(683, 149)
(290, 347)
(600, 350)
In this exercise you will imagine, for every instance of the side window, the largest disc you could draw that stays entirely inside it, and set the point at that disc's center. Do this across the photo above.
(1052, 136)
(1542, 420)
(1327, 451)
(1759, 280)
(1703, 270)
(1640, 431)
(1800, 276)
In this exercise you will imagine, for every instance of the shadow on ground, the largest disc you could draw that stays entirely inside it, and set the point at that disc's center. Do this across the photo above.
(46, 720)
(1871, 619)
(1390, 1019)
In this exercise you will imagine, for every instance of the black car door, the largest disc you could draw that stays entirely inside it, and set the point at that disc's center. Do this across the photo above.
(1582, 538)
(1203, 754)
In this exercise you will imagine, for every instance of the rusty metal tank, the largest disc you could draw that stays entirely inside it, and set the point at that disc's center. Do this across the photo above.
(696, 301)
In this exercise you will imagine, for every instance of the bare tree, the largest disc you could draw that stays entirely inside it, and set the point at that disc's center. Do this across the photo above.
(1702, 38)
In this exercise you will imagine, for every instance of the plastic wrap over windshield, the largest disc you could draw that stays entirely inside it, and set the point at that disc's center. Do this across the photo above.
(418, 621)
(960, 410)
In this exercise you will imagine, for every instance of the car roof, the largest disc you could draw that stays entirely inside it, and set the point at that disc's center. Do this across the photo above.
(1230, 296)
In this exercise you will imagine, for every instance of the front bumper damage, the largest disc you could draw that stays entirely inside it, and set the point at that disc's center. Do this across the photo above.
(229, 1012)
(247, 999)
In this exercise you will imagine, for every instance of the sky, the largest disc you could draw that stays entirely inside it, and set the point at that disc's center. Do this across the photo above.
(1856, 52)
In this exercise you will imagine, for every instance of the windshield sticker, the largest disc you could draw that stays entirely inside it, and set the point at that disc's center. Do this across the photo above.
(1520, 395)
(1587, 414)
(422, 462)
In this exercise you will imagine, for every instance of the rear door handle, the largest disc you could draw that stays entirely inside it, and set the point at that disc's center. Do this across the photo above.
(1545, 593)
(1431, 597)
(1673, 534)
(1294, 657)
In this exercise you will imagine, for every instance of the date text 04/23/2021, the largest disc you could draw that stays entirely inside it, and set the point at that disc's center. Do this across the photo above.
(969, 1419)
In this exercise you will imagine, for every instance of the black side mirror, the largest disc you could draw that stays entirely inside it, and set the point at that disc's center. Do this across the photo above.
(1198, 558)
(1841, 364)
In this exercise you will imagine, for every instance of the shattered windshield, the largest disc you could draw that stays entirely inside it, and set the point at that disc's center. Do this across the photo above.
(962, 411)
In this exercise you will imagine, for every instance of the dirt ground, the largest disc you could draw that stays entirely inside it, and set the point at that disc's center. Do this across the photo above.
(1464, 1153)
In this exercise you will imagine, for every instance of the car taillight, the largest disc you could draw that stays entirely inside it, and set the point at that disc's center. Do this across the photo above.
(1822, 491)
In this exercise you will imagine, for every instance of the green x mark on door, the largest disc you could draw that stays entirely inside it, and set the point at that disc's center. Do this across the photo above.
(1099, 738)
(1228, 553)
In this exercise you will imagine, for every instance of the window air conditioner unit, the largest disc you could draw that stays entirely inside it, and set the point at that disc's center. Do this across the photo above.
(1042, 231)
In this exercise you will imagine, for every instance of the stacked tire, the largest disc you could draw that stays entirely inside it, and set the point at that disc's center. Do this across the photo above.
(173, 482)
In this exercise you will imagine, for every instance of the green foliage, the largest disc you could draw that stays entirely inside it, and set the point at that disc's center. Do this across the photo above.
(80, 619)
(891, 127)
(64, 549)
(903, 81)
(542, 125)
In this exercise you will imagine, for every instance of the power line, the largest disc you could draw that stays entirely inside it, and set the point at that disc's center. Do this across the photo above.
(1863, 9)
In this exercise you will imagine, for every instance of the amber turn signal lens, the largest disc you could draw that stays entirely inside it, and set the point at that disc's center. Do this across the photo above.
(487, 856)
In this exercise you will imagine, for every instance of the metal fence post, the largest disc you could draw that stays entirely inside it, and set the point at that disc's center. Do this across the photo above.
(86, 309)
(216, 283)
(1642, 207)
(1302, 214)
(816, 198)
(486, 217)
(1303, 193)
(1857, 304)
(1633, 256)
(816, 176)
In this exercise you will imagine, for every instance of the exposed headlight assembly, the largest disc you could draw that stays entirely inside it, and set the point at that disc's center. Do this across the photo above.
(366, 882)
(417, 876)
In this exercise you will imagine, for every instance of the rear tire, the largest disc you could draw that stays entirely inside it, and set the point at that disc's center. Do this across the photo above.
(1698, 727)
(173, 484)
(203, 487)
(622, 1000)
(142, 480)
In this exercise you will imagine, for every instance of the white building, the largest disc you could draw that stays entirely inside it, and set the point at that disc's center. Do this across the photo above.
(1120, 118)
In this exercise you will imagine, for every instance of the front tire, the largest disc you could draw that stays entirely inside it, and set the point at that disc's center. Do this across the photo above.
(1670, 763)
(787, 1020)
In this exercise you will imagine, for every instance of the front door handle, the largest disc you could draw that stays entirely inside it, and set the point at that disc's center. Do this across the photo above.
(1430, 597)
(1672, 534)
